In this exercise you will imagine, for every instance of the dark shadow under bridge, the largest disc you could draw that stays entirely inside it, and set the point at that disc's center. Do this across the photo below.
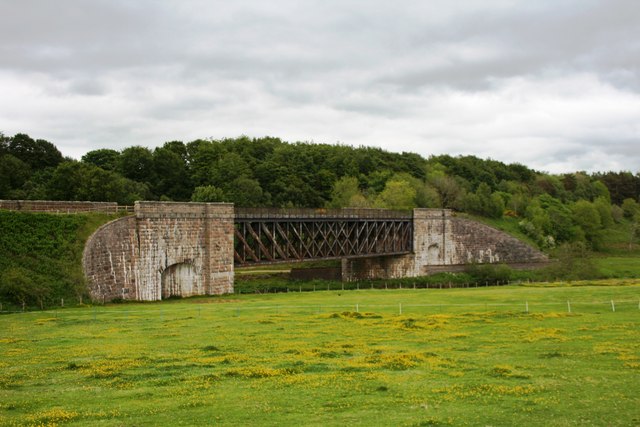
(264, 236)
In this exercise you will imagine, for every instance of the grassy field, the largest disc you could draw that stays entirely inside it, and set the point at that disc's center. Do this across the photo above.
(401, 357)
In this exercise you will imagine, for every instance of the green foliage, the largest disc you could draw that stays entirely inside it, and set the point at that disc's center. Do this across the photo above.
(617, 213)
(246, 192)
(484, 202)
(621, 185)
(103, 158)
(450, 193)
(574, 262)
(136, 163)
(252, 172)
(13, 175)
(605, 211)
(551, 185)
(630, 208)
(170, 175)
(19, 286)
(73, 180)
(549, 221)
(38, 154)
(398, 193)
(586, 216)
(346, 193)
(40, 256)
(489, 274)
(208, 193)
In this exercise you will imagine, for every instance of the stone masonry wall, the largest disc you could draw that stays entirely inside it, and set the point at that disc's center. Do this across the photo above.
(166, 249)
(443, 242)
(109, 260)
(58, 206)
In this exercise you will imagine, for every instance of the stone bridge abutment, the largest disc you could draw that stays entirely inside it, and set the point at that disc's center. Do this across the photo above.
(166, 249)
(444, 242)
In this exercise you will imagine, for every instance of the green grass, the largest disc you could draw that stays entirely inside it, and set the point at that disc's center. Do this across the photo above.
(507, 224)
(618, 266)
(453, 357)
(44, 251)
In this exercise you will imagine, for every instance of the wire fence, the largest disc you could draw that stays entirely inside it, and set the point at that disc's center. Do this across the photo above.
(227, 308)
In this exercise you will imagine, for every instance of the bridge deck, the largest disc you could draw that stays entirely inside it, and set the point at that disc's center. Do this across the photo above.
(283, 235)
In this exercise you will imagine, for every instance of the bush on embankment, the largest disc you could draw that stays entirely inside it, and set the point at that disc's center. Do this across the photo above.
(41, 257)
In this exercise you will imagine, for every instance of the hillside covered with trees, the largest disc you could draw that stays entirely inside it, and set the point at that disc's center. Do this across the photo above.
(267, 172)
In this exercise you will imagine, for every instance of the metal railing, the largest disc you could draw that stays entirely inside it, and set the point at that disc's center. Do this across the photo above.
(300, 213)
(64, 207)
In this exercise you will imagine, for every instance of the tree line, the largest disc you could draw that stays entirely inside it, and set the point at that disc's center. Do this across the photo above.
(269, 172)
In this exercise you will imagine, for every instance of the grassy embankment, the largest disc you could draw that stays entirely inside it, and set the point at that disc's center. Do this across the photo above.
(41, 257)
(453, 357)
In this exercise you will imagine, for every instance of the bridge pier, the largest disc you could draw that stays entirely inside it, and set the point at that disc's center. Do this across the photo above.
(382, 267)
(444, 242)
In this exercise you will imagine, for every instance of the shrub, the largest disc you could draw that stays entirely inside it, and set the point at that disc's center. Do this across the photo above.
(492, 274)
(574, 262)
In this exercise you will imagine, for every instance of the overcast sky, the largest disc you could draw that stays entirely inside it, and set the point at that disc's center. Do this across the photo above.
(554, 85)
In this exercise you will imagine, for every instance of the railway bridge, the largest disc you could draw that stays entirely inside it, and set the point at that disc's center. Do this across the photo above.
(288, 235)
(181, 249)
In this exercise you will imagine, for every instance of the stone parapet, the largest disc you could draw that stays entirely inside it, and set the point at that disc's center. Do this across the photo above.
(432, 213)
(183, 210)
(54, 206)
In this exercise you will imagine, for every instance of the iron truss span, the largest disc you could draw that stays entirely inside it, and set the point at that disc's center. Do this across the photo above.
(280, 235)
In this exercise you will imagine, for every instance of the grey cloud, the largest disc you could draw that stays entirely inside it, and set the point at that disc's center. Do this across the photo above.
(363, 72)
(564, 36)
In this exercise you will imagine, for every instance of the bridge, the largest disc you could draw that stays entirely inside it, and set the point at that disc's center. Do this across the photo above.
(181, 249)
(288, 235)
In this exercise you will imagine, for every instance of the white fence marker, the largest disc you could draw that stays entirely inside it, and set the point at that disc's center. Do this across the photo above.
(526, 306)
(568, 306)
(400, 306)
(613, 306)
(357, 309)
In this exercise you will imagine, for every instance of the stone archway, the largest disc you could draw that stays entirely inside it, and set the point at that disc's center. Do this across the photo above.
(178, 280)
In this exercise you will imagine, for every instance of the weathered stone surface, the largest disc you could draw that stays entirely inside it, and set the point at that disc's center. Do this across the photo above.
(443, 242)
(166, 249)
